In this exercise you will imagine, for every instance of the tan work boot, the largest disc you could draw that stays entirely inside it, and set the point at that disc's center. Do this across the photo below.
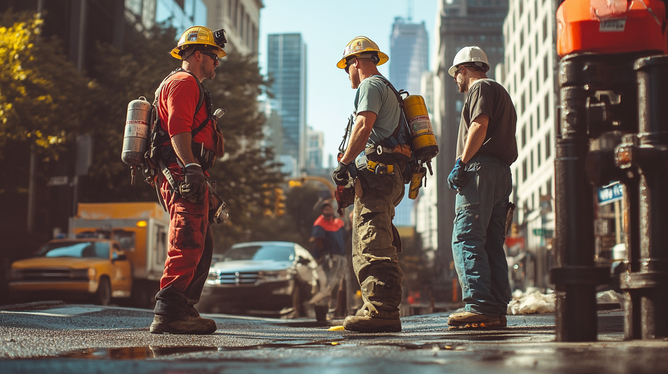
(470, 320)
(191, 311)
(364, 322)
(184, 325)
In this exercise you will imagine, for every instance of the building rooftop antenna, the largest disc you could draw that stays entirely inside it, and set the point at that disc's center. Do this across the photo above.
(410, 10)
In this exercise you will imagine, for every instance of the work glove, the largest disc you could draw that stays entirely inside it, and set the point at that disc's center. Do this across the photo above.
(193, 187)
(458, 177)
(340, 175)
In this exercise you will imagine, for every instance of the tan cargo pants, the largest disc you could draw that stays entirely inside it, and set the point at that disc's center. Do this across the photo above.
(376, 242)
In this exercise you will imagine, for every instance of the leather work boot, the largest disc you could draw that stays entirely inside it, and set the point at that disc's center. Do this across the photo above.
(184, 325)
(383, 322)
(470, 320)
(191, 311)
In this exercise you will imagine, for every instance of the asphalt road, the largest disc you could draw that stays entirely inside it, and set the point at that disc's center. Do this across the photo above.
(92, 339)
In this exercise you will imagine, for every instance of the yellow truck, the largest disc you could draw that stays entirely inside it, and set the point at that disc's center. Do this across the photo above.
(113, 250)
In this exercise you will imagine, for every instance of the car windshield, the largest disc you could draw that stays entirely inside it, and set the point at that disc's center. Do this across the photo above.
(75, 249)
(260, 252)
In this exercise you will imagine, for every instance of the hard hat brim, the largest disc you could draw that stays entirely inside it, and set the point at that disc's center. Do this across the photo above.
(219, 52)
(382, 56)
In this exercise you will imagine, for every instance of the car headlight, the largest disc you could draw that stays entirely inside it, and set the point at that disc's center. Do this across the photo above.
(213, 275)
(274, 276)
(15, 274)
(92, 273)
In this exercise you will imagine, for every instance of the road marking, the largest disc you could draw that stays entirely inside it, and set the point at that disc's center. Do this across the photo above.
(57, 312)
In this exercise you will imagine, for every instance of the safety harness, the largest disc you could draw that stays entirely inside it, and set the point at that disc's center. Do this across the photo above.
(395, 149)
(160, 151)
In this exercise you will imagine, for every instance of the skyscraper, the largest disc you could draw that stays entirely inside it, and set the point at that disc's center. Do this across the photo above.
(286, 65)
(409, 54)
(241, 21)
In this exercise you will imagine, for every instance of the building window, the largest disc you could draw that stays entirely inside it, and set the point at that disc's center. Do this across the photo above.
(544, 28)
(545, 68)
(547, 105)
(524, 170)
(548, 187)
(521, 37)
(523, 104)
(521, 7)
(538, 114)
(522, 71)
(530, 126)
(537, 80)
(531, 162)
(538, 159)
(548, 145)
(524, 136)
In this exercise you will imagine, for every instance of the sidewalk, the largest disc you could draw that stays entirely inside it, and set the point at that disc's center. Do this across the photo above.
(88, 338)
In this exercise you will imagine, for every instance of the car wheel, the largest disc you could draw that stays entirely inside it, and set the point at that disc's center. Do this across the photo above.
(103, 294)
(320, 313)
(296, 301)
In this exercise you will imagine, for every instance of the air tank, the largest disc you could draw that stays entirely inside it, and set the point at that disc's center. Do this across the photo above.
(135, 138)
(423, 141)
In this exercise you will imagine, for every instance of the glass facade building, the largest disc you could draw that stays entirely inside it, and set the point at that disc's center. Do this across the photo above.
(286, 65)
(409, 54)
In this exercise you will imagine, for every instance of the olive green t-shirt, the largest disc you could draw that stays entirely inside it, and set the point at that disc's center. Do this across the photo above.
(373, 95)
(485, 96)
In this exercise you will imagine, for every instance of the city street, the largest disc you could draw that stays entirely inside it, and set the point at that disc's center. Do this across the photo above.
(62, 338)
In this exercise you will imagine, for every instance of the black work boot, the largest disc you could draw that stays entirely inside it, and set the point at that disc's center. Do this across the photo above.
(365, 322)
(471, 320)
(184, 325)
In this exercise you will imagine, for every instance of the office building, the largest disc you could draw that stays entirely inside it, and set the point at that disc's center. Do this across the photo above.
(241, 21)
(461, 23)
(286, 66)
(315, 145)
(529, 77)
(409, 54)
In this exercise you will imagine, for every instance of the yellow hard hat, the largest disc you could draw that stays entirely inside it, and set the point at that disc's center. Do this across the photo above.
(201, 35)
(358, 46)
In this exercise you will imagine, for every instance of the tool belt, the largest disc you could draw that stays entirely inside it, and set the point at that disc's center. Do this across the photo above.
(388, 155)
(205, 157)
(379, 168)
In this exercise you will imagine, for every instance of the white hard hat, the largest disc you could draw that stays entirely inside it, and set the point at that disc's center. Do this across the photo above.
(469, 54)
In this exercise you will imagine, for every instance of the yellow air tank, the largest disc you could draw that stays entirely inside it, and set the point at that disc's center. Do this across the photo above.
(423, 141)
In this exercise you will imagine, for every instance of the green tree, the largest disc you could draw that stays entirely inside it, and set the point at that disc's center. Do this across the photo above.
(43, 101)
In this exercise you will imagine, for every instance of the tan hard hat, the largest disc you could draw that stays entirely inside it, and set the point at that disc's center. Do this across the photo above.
(358, 46)
(197, 35)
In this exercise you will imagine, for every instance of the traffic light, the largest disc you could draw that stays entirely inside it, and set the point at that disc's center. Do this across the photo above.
(279, 202)
(266, 199)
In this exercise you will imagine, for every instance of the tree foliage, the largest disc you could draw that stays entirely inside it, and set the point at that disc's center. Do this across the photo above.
(42, 96)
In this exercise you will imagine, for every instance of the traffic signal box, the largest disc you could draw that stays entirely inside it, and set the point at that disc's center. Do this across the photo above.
(279, 202)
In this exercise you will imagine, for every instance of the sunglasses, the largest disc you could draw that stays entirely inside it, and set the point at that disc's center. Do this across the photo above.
(348, 63)
(213, 56)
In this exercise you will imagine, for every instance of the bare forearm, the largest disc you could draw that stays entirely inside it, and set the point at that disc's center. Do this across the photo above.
(475, 138)
(182, 144)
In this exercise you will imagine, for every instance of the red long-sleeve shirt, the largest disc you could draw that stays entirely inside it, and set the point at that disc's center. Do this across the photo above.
(176, 109)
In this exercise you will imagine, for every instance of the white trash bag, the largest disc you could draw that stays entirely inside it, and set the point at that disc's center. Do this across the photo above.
(532, 303)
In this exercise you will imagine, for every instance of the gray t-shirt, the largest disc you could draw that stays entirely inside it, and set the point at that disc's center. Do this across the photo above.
(485, 96)
(373, 95)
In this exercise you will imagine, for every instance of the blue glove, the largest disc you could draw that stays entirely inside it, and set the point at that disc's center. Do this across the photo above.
(458, 177)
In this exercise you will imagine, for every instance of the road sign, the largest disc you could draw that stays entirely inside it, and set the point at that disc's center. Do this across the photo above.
(543, 232)
(60, 180)
(610, 193)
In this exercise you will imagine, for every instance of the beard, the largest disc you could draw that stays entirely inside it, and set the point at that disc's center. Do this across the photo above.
(462, 84)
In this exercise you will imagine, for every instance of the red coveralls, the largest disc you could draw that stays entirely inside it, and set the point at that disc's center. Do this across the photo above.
(190, 243)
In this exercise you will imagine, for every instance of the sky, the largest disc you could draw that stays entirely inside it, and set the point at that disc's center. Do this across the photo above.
(326, 27)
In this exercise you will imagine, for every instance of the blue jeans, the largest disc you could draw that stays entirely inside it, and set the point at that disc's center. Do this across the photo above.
(478, 236)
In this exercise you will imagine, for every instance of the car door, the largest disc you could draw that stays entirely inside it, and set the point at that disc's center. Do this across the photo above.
(306, 267)
(121, 279)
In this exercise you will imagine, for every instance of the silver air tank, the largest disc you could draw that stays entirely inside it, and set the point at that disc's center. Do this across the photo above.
(135, 138)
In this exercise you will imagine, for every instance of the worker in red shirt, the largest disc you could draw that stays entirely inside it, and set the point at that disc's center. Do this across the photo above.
(187, 140)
